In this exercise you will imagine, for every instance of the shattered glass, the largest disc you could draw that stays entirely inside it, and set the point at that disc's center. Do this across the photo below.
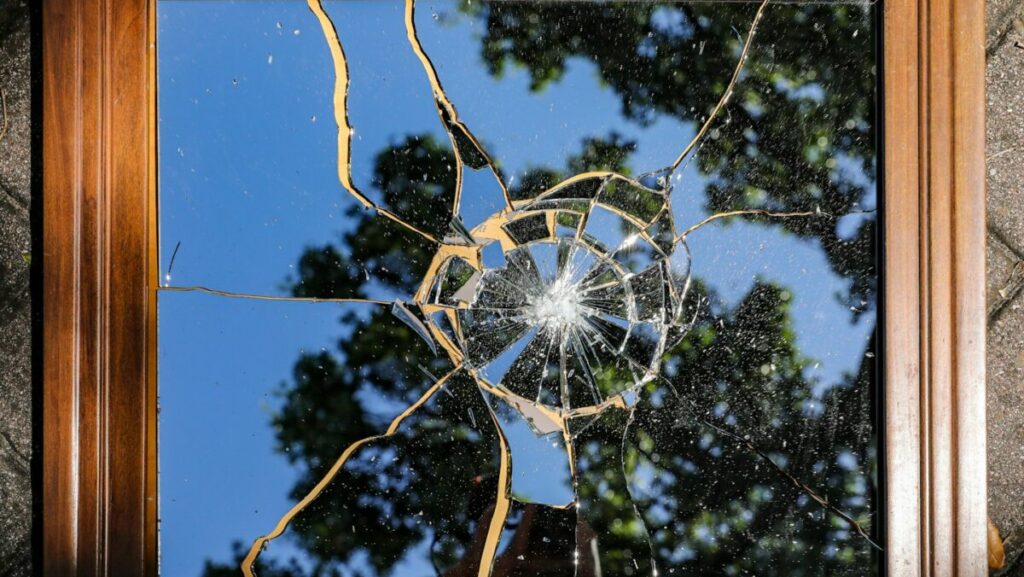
(650, 355)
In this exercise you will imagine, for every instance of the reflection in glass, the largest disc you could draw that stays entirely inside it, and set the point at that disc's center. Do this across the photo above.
(606, 284)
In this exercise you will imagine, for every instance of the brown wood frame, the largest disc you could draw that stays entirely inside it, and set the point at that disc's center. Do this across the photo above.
(98, 388)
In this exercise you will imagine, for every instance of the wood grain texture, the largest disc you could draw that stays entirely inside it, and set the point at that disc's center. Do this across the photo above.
(934, 287)
(99, 407)
(901, 268)
(99, 513)
(970, 479)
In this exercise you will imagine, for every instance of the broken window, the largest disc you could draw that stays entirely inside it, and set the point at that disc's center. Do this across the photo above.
(498, 288)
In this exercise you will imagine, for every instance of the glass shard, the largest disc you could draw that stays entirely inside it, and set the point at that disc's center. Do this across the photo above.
(543, 475)
(409, 318)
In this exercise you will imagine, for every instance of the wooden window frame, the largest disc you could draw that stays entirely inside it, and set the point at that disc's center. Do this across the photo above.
(99, 486)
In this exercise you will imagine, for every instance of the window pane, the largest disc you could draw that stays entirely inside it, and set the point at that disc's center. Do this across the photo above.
(518, 288)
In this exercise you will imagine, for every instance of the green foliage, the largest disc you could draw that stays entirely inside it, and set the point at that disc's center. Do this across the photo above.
(709, 457)
(799, 133)
(711, 504)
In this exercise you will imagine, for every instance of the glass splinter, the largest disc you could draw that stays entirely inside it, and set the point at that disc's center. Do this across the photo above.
(412, 321)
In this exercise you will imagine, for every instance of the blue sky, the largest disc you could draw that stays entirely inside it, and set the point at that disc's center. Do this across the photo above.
(248, 179)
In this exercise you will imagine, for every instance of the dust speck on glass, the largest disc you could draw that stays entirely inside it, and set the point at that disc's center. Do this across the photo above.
(494, 288)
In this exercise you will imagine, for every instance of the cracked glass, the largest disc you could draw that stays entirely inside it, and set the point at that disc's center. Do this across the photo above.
(500, 288)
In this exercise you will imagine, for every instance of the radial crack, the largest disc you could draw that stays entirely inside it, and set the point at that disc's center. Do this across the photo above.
(822, 501)
(800, 485)
(237, 295)
(629, 491)
(759, 212)
(571, 453)
(502, 500)
(260, 543)
(341, 84)
(724, 99)
(453, 125)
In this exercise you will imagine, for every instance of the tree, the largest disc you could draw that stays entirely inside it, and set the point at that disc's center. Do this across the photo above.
(738, 461)
(800, 133)
(390, 498)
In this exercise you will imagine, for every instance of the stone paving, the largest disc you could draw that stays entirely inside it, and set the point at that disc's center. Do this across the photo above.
(15, 310)
(1005, 49)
